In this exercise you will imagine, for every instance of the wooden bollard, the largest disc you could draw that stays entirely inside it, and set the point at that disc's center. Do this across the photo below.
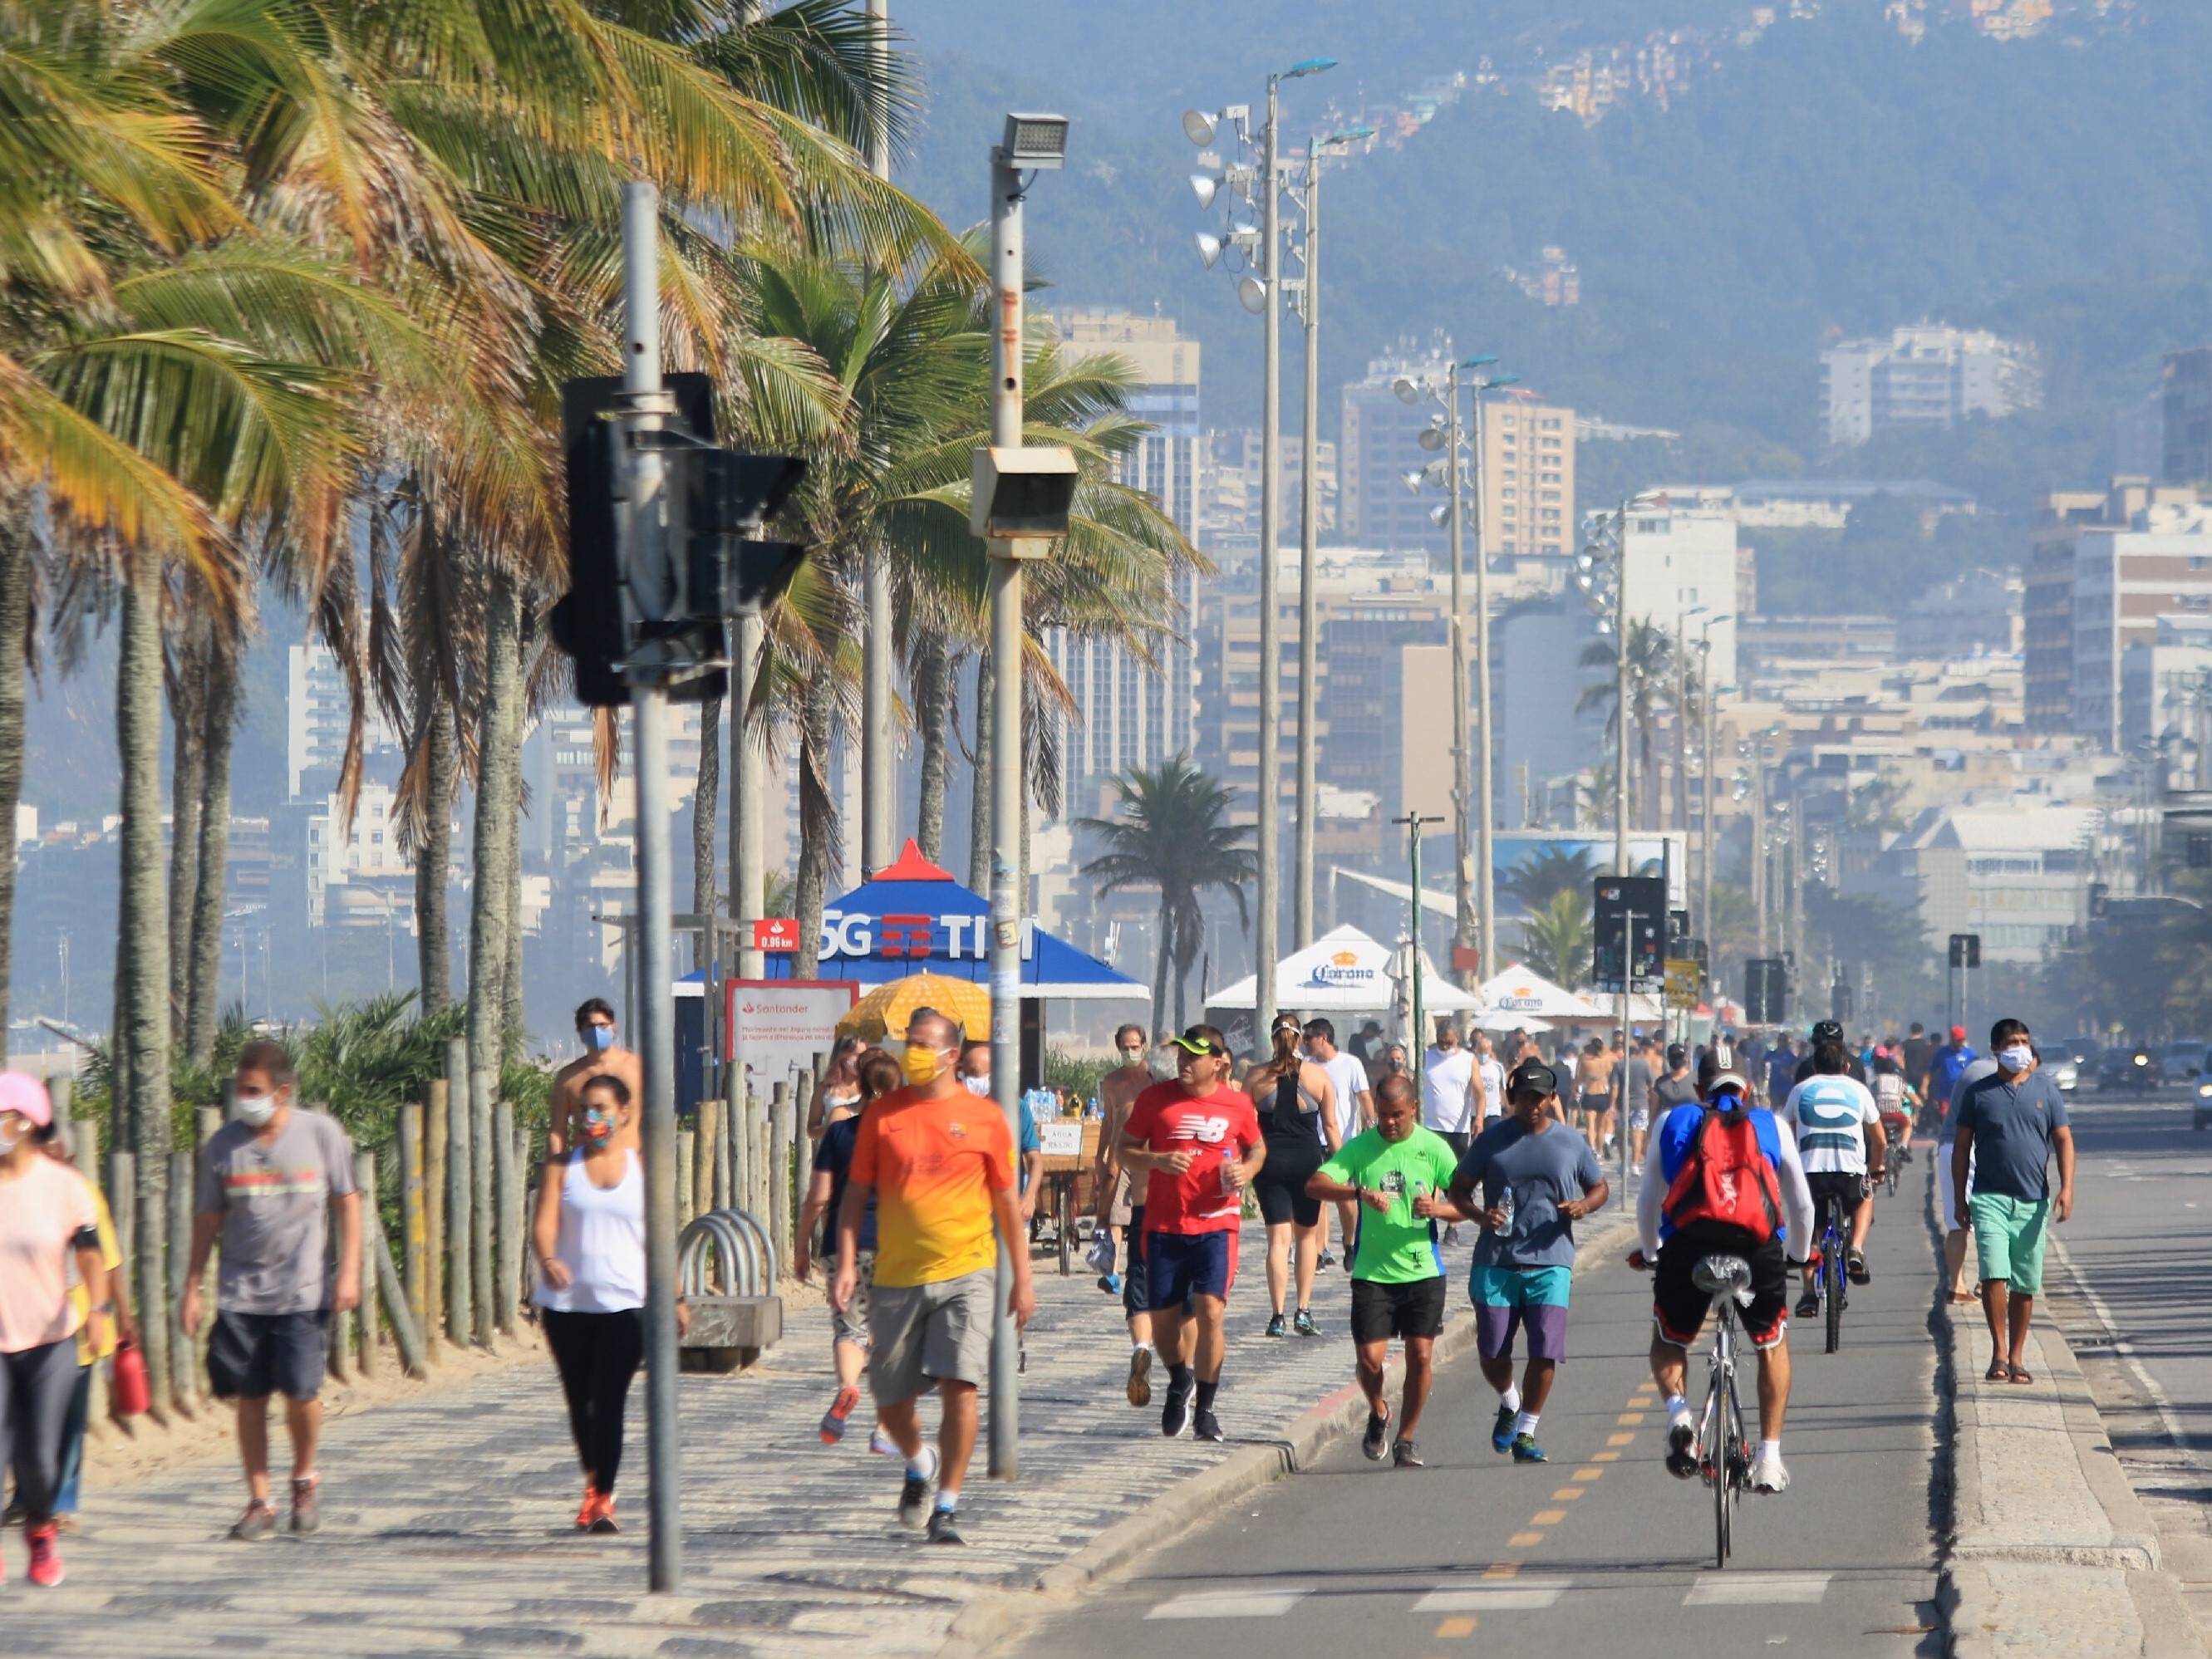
(435, 1133)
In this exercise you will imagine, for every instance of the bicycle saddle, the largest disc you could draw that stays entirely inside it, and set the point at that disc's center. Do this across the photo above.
(1723, 1275)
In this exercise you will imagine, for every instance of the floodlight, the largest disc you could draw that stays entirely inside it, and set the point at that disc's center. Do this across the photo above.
(1309, 66)
(1198, 127)
(1432, 438)
(1437, 473)
(1209, 248)
(1409, 392)
(1251, 295)
(1604, 625)
(1036, 141)
(1501, 379)
(1411, 481)
(1206, 187)
(1440, 513)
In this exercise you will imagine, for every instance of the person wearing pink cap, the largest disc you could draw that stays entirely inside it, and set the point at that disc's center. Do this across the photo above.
(46, 1215)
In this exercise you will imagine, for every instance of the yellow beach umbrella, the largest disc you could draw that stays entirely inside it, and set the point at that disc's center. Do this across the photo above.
(883, 1012)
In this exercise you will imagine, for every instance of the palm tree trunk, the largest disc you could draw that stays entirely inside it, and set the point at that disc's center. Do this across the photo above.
(204, 980)
(705, 798)
(141, 1030)
(979, 818)
(933, 677)
(817, 824)
(1163, 953)
(14, 644)
(433, 861)
(187, 787)
(495, 820)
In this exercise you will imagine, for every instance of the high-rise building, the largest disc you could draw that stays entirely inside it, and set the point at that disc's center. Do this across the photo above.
(1925, 374)
(1380, 442)
(318, 716)
(2185, 413)
(2127, 575)
(1681, 561)
(1528, 478)
(1128, 711)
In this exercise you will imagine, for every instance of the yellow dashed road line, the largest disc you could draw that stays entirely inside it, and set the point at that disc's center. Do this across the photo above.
(1463, 1625)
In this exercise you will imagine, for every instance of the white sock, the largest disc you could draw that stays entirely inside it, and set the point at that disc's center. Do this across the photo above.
(917, 1465)
(1770, 1449)
(947, 1502)
(1677, 1406)
(1511, 1399)
(1526, 1423)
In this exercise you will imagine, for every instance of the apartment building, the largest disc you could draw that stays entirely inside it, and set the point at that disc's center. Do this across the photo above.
(2126, 576)
(2165, 689)
(2186, 416)
(1925, 375)
(1680, 574)
(1380, 442)
(1230, 466)
(1528, 477)
(317, 717)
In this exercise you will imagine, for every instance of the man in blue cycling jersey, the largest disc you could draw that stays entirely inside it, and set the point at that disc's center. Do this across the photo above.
(1673, 1250)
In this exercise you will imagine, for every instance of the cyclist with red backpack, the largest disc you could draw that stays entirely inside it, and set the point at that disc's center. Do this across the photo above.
(1723, 1178)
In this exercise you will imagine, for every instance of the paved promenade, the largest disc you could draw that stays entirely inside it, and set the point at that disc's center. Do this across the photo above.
(447, 1520)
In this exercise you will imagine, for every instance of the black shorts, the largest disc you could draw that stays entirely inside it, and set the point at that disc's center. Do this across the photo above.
(1380, 1312)
(252, 1355)
(1678, 1307)
(1136, 1292)
(1848, 1191)
(1291, 1161)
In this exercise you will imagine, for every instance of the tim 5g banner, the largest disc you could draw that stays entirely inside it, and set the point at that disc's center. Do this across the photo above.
(855, 935)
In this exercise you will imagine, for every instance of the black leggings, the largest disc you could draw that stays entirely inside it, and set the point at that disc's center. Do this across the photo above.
(35, 1386)
(598, 1353)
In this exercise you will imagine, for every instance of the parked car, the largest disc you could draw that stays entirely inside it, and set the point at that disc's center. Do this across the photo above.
(2132, 1065)
(2065, 1072)
(2184, 1060)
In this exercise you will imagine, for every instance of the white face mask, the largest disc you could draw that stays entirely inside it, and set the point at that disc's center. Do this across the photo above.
(977, 1086)
(2017, 1057)
(256, 1110)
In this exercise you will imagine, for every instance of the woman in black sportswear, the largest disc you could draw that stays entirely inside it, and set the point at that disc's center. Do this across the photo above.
(1297, 1116)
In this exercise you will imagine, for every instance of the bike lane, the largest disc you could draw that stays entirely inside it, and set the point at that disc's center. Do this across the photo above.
(1601, 1544)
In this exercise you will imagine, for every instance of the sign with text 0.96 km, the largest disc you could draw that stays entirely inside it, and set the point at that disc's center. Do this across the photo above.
(1627, 924)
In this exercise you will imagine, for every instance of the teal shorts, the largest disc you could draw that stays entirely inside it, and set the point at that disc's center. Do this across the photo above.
(1531, 1299)
(2009, 1233)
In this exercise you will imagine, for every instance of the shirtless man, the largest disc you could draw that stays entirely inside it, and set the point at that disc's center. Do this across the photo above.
(1117, 1092)
(595, 1027)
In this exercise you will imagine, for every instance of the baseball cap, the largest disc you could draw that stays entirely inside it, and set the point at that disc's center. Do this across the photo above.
(1720, 1068)
(1828, 1030)
(22, 1092)
(1532, 1074)
(1958, 1034)
(1202, 1040)
(1676, 1053)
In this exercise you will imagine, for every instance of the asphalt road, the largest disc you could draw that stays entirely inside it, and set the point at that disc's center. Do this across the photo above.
(2139, 1248)
(1600, 1549)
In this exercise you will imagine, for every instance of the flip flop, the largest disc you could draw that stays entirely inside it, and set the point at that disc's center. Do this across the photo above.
(2020, 1374)
(1998, 1372)
(1958, 1301)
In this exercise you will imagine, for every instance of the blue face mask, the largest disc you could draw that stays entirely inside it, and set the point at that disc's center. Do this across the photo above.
(599, 1038)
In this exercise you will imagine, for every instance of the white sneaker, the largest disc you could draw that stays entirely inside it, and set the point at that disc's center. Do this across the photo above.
(1682, 1444)
(1767, 1474)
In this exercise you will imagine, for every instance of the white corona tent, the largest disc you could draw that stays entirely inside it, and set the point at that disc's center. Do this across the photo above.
(1522, 991)
(1345, 972)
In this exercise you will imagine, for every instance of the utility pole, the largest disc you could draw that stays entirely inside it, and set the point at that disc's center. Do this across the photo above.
(646, 406)
(1705, 805)
(1759, 884)
(1463, 928)
(1620, 691)
(878, 786)
(1309, 533)
(1271, 492)
(749, 769)
(1413, 822)
(1485, 820)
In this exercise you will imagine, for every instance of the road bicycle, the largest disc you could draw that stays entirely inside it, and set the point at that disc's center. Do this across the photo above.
(1723, 1447)
(1828, 1275)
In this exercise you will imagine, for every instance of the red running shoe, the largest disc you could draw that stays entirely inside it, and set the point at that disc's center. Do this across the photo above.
(45, 1558)
(834, 1420)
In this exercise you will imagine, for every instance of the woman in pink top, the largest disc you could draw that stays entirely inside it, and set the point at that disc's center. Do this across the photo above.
(47, 1213)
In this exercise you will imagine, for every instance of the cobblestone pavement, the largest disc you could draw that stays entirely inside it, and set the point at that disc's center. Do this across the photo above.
(447, 1521)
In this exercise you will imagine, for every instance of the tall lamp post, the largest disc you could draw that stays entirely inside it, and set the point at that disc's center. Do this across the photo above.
(1476, 924)
(1257, 294)
(877, 838)
(1711, 695)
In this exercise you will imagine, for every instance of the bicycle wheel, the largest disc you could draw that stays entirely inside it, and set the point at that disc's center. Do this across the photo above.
(1721, 1450)
(1831, 1276)
(1064, 1224)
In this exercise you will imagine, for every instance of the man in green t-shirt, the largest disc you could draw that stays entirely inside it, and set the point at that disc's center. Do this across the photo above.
(1396, 1173)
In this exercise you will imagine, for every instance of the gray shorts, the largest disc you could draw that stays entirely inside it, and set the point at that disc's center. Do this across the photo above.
(852, 1325)
(1117, 1209)
(929, 1332)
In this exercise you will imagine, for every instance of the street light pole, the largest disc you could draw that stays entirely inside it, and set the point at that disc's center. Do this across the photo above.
(876, 733)
(1413, 822)
(1620, 692)
(1462, 886)
(645, 405)
(1309, 531)
(1485, 823)
(1271, 486)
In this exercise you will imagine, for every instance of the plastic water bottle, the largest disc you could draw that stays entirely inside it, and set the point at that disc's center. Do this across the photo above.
(1505, 1203)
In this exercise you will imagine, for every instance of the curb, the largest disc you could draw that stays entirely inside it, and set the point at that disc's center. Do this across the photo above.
(993, 1619)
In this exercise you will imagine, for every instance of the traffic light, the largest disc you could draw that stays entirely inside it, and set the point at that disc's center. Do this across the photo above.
(1765, 991)
(716, 499)
(1627, 915)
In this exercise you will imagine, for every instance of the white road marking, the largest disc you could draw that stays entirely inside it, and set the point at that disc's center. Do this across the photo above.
(1495, 1596)
(1747, 1589)
(1231, 1604)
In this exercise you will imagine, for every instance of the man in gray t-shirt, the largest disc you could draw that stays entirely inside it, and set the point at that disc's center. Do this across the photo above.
(269, 1181)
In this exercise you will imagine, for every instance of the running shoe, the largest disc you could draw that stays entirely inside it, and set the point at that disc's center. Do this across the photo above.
(1328, 1259)
(914, 1495)
(1209, 1427)
(306, 1513)
(1682, 1446)
(1767, 1474)
(1377, 1435)
(1111, 1282)
(588, 1509)
(1501, 1431)
(1277, 1328)
(1407, 1455)
(1526, 1450)
(1855, 1265)
(258, 1523)
(1451, 1233)
(1174, 1417)
(1302, 1322)
(882, 1444)
(1140, 1377)
(46, 1557)
(603, 1514)
(834, 1420)
(1808, 1305)
(945, 1527)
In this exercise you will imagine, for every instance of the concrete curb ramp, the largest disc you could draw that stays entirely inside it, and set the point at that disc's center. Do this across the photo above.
(990, 1622)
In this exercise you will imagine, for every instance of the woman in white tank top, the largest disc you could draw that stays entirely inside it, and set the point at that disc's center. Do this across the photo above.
(589, 1236)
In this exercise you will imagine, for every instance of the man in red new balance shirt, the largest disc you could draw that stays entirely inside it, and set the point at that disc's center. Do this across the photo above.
(1199, 1139)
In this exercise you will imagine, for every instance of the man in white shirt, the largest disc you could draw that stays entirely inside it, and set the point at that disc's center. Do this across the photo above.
(1355, 1112)
(1451, 1102)
(1841, 1146)
(1490, 1073)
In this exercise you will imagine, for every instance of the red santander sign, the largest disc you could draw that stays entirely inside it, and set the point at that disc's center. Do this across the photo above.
(776, 933)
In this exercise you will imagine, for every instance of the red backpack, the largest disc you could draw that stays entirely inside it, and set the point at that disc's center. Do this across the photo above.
(1726, 1179)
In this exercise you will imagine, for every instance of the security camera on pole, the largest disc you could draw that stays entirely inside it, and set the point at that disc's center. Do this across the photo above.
(1257, 294)
(1019, 508)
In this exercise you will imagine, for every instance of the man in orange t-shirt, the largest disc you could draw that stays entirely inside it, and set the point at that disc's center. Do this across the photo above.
(940, 1164)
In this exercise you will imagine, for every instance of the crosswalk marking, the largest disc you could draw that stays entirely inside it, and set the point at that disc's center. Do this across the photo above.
(1231, 1604)
(1504, 1596)
(1744, 1590)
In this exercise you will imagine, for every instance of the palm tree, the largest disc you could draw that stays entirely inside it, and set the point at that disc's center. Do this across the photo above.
(1173, 834)
(1551, 871)
(1651, 692)
(1555, 941)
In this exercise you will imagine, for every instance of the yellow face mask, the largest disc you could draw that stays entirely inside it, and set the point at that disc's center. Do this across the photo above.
(922, 1066)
